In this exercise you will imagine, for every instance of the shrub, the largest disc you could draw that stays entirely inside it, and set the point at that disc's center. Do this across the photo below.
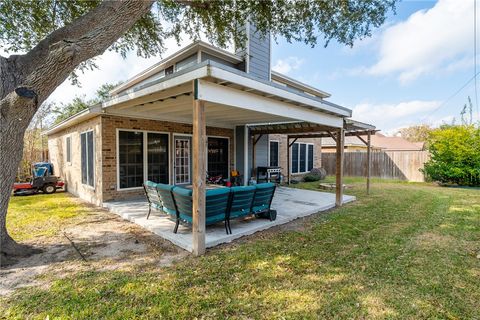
(315, 174)
(311, 177)
(322, 173)
(454, 155)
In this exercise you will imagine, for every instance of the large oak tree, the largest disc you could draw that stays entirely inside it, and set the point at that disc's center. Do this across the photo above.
(50, 40)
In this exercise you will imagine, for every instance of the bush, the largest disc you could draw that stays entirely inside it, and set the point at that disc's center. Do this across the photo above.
(454, 155)
(322, 173)
(311, 177)
(315, 174)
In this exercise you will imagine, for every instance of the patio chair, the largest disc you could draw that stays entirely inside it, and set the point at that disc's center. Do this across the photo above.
(241, 201)
(152, 196)
(166, 196)
(217, 203)
(263, 200)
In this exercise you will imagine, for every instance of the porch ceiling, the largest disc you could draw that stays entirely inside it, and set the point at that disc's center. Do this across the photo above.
(180, 110)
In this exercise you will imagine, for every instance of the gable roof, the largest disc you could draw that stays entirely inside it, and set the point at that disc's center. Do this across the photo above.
(177, 56)
(379, 141)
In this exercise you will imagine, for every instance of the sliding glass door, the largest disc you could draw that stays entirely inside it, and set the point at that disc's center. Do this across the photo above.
(217, 157)
(142, 156)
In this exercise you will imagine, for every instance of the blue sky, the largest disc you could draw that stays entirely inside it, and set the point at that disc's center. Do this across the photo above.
(401, 76)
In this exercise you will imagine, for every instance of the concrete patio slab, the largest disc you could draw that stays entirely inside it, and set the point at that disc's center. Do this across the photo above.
(290, 204)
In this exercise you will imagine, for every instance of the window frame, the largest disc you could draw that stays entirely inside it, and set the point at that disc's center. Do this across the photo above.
(229, 167)
(307, 144)
(68, 149)
(93, 162)
(270, 154)
(145, 155)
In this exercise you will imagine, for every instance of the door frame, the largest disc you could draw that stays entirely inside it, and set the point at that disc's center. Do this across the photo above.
(174, 165)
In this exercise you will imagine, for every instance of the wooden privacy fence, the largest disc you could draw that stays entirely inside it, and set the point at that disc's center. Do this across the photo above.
(402, 165)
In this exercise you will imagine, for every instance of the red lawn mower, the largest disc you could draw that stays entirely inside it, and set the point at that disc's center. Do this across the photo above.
(43, 180)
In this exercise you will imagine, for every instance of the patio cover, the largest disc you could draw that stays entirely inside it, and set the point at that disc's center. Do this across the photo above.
(212, 94)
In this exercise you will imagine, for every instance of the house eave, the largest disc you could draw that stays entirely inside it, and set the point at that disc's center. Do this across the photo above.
(297, 84)
(226, 75)
(79, 117)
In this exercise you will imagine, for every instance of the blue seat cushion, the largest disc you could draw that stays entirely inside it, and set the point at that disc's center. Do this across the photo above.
(208, 220)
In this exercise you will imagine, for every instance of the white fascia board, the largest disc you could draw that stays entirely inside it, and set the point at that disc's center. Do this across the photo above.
(260, 86)
(295, 83)
(215, 93)
(167, 84)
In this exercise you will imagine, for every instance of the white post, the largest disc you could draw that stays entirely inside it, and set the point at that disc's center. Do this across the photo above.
(246, 174)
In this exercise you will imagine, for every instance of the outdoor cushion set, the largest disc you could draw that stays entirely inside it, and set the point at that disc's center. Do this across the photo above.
(222, 204)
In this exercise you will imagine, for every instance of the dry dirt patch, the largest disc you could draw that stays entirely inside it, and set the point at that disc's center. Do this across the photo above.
(105, 241)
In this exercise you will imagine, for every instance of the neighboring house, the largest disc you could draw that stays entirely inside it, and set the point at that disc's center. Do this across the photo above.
(145, 130)
(379, 142)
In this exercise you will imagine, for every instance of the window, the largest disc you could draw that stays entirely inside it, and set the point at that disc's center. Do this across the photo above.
(310, 158)
(169, 70)
(302, 157)
(137, 151)
(218, 157)
(87, 157)
(68, 143)
(130, 147)
(273, 154)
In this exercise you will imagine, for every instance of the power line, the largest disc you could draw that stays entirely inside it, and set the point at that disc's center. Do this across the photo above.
(475, 54)
(452, 96)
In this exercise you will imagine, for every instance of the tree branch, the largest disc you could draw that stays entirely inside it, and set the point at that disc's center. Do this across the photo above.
(49, 63)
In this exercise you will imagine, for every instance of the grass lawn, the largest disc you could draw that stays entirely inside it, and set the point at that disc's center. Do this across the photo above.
(405, 251)
(41, 215)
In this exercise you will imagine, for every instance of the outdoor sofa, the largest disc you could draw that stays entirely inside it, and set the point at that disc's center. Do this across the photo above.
(222, 204)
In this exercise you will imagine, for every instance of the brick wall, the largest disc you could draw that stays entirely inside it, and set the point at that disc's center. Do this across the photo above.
(71, 172)
(110, 124)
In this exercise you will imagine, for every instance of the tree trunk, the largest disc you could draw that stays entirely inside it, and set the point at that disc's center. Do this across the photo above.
(11, 150)
(28, 80)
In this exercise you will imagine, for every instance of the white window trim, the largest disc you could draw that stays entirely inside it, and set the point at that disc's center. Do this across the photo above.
(145, 155)
(306, 158)
(68, 137)
(278, 151)
(94, 160)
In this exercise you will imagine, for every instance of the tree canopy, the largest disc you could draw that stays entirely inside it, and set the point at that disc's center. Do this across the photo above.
(79, 103)
(417, 133)
(26, 22)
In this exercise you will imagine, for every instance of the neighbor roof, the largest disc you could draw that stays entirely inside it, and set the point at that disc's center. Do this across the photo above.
(381, 142)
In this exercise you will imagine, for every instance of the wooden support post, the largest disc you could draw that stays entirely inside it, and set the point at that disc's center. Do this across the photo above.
(369, 160)
(288, 160)
(339, 168)
(199, 176)
(254, 170)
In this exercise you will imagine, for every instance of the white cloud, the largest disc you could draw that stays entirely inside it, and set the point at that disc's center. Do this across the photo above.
(286, 65)
(390, 117)
(427, 41)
